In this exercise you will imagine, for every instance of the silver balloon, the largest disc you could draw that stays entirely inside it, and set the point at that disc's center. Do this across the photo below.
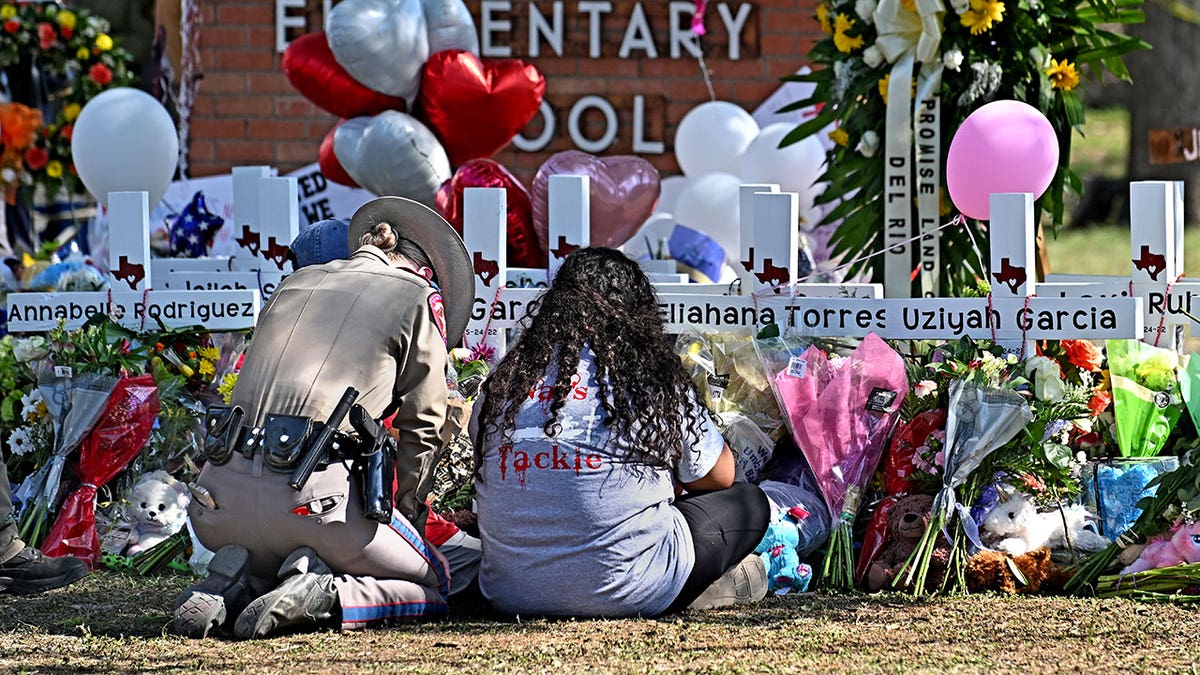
(392, 154)
(450, 26)
(382, 43)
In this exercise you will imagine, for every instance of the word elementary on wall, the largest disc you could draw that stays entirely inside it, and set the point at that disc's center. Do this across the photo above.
(594, 30)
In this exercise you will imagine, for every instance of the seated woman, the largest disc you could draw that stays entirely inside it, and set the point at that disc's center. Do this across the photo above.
(584, 433)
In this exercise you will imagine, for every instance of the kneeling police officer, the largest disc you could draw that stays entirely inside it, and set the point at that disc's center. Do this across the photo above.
(369, 330)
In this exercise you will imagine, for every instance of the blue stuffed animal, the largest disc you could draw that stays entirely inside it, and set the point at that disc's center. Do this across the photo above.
(785, 572)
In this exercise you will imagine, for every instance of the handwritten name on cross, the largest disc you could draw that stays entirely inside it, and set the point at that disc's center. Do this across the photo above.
(132, 300)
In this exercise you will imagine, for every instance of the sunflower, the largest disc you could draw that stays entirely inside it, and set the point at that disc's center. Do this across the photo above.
(982, 15)
(843, 42)
(1063, 75)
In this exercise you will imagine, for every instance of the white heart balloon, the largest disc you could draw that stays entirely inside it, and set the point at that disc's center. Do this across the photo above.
(124, 140)
(392, 154)
(450, 26)
(382, 43)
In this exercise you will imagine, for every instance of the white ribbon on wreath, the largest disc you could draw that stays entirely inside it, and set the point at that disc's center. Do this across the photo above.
(908, 39)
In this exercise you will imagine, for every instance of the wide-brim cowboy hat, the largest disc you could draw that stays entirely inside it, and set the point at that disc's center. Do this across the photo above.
(447, 253)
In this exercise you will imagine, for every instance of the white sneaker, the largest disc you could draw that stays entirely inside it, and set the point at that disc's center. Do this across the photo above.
(744, 582)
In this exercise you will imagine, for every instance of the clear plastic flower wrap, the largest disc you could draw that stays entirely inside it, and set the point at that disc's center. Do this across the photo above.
(729, 376)
(1146, 396)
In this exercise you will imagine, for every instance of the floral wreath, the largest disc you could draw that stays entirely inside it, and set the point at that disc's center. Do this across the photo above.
(79, 58)
(983, 50)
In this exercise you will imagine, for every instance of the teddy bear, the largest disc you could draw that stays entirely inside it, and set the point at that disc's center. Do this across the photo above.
(778, 550)
(157, 509)
(907, 520)
(1014, 526)
(1178, 546)
(1028, 573)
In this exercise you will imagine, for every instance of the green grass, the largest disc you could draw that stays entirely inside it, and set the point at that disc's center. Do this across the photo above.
(1103, 250)
(1102, 149)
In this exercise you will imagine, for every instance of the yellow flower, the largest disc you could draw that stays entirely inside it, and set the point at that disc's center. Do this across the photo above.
(7, 12)
(823, 19)
(225, 389)
(71, 111)
(206, 369)
(1063, 75)
(843, 42)
(66, 19)
(104, 42)
(54, 169)
(982, 15)
(82, 53)
(839, 136)
(210, 353)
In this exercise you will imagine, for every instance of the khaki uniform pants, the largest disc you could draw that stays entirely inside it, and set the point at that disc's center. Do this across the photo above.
(381, 571)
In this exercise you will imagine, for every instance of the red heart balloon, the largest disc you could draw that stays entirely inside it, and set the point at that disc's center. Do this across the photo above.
(523, 247)
(330, 166)
(476, 107)
(310, 67)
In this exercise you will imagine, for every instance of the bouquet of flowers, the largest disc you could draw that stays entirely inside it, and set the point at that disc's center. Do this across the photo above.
(841, 411)
(1146, 396)
(120, 433)
(958, 56)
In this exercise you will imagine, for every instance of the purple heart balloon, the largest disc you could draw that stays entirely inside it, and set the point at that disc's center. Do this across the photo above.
(624, 190)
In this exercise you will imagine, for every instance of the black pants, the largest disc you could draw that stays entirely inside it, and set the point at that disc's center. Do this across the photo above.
(726, 526)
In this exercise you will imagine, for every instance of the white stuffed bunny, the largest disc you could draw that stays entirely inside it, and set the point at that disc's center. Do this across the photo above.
(1017, 527)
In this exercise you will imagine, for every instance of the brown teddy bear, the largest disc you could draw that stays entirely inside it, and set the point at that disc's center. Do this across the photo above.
(994, 571)
(906, 523)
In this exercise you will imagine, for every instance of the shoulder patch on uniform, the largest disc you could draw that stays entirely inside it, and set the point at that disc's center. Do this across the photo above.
(439, 313)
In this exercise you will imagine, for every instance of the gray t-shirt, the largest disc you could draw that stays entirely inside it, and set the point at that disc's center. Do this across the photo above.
(572, 527)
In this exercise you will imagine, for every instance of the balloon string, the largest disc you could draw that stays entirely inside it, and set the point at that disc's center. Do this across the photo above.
(712, 93)
(699, 30)
(899, 244)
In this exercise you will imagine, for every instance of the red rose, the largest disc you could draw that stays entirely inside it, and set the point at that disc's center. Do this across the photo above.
(36, 158)
(100, 74)
(1090, 440)
(1099, 402)
(1083, 355)
(47, 36)
(66, 31)
(67, 131)
(12, 25)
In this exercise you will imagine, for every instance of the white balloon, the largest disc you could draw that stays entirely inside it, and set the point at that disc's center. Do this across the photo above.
(712, 137)
(392, 154)
(794, 168)
(382, 43)
(668, 194)
(656, 228)
(123, 141)
(450, 26)
(710, 204)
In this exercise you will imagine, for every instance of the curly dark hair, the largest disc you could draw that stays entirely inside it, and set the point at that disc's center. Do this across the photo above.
(602, 300)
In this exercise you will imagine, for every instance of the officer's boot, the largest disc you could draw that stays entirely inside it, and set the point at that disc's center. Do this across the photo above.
(306, 596)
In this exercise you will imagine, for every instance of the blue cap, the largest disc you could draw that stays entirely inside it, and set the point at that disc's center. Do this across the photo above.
(321, 242)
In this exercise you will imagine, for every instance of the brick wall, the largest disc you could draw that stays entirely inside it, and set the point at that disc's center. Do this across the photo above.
(247, 113)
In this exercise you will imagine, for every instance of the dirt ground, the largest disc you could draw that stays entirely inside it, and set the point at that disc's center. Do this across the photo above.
(117, 623)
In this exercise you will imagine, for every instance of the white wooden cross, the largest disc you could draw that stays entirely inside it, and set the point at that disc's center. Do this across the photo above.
(1156, 256)
(132, 300)
(266, 220)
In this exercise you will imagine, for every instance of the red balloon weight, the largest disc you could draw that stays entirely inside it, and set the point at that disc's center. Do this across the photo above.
(330, 166)
(476, 107)
(310, 68)
(523, 247)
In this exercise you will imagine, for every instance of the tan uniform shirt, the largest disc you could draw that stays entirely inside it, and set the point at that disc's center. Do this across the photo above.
(354, 323)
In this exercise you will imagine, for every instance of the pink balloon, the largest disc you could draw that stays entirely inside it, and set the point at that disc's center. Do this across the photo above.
(1004, 146)
(623, 192)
